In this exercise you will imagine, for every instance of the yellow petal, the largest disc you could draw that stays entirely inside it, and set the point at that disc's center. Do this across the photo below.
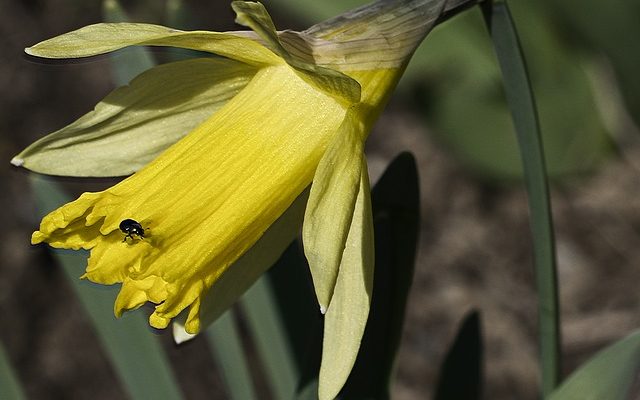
(245, 272)
(347, 315)
(206, 200)
(330, 207)
(135, 123)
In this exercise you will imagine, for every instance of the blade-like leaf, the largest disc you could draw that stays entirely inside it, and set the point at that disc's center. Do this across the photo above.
(523, 109)
(396, 216)
(9, 385)
(456, 70)
(268, 331)
(608, 375)
(224, 340)
(134, 351)
(290, 279)
(461, 371)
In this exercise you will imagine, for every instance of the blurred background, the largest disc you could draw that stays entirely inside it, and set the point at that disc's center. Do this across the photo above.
(474, 249)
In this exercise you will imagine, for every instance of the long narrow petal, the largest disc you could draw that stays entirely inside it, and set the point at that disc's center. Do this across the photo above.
(347, 315)
(330, 207)
(97, 39)
(135, 123)
(256, 17)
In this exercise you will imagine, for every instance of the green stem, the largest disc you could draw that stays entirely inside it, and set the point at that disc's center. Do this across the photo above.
(225, 343)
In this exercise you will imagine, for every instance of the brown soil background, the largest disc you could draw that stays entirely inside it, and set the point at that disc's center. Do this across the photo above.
(474, 249)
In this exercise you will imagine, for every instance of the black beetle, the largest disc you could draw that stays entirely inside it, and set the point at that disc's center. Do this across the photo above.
(131, 227)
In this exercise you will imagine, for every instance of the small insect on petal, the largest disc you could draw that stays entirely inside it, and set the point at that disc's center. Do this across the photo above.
(131, 228)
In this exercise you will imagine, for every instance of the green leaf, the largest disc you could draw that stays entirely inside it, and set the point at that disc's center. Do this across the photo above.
(316, 10)
(230, 357)
(396, 215)
(268, 331)
(9, 385)
(610, 374)
(591, 22)
(135, 123)
(179, 14)
(461, 372)
(290, 279)
(134, 351)
(125, 64)
(523, 109)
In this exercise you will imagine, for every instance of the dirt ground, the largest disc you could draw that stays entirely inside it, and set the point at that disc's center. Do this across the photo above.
(474, 250)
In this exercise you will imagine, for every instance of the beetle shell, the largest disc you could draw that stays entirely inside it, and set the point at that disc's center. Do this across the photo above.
(131, 228)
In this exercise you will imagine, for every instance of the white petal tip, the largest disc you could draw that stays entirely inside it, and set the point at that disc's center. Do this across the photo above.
(17, 161)
(28, 50)
(323, 309)
(179, 334)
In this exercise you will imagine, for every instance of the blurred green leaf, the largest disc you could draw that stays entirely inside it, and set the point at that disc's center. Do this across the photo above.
(134, 351)
(611, 28)
(461, 372)
(609, 375)
(180, 16)
(127, 63)
(9, 385)
(523, 109)
(461, 82)
(268, 331)
(290, 279)
(396, 216)
(315, 11)
(230, 357)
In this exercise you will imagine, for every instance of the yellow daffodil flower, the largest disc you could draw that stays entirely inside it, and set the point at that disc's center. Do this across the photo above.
(222, 151)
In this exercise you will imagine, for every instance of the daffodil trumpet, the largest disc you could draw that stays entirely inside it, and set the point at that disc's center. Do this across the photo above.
(222, 151)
